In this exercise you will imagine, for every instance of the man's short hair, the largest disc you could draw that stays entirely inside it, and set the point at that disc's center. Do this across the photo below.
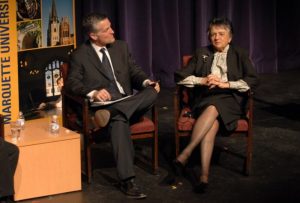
(90, 20)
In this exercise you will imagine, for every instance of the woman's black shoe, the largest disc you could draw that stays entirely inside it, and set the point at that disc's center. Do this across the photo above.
(178, 168)
(200, 187)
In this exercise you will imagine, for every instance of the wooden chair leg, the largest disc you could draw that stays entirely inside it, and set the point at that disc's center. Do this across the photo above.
(177, 144)
(249, 152)
(88, 163)
(155, 154)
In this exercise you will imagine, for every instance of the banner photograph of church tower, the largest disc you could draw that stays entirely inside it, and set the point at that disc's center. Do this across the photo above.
(59, 27)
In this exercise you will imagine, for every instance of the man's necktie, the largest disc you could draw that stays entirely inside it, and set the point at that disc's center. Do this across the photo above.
(113, 89)
(106, 65)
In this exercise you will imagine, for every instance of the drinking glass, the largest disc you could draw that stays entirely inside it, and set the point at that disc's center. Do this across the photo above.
(15, 128)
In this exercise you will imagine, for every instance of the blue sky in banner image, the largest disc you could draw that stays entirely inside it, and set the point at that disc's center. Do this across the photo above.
(63, 8)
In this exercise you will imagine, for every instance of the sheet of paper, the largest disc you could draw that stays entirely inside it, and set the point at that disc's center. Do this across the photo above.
(104, 103)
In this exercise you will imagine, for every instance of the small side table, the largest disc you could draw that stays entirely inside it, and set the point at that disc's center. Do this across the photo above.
(48, 164)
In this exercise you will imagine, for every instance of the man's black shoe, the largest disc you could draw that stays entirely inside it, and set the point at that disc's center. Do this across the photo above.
(131, 189)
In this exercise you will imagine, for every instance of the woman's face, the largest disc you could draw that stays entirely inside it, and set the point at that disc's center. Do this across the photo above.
(220, 37)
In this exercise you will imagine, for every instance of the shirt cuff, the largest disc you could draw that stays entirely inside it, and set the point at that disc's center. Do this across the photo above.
(200, 80)
(239, 85)
(146, 82)
(90, 95)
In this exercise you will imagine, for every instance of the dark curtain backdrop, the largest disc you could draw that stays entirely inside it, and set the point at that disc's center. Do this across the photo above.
(160, 32)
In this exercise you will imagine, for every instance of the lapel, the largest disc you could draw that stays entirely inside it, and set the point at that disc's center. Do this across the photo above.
(230, 63)
(93, 57)
(208, 61)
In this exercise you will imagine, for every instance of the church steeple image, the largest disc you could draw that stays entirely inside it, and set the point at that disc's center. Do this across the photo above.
(53, 27)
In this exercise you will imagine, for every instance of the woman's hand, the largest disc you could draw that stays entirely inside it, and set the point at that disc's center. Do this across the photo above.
(214, 81)
(223, 85)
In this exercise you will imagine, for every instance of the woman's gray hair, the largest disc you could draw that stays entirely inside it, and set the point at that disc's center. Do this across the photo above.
(220, 22)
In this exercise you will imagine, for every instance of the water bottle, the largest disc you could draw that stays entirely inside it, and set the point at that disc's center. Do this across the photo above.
(54, 125)
(21, 120)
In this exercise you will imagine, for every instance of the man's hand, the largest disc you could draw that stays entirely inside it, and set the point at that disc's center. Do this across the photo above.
(155, 85)
(101, 95)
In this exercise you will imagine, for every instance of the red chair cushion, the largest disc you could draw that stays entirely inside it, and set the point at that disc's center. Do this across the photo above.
(185, 123)
(242, 125)
(143, 126)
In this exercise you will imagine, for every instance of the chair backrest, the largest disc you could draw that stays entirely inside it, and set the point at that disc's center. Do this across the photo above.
(185, 91)
(1, 126)
(64, 68)
(186, 59)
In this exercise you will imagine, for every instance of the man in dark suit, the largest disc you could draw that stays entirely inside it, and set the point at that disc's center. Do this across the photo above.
(102, 69)
(9, 154)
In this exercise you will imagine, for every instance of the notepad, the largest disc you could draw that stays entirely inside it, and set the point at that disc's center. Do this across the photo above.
(104, 103)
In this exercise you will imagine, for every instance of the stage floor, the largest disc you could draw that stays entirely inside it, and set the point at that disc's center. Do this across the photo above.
(276, 159)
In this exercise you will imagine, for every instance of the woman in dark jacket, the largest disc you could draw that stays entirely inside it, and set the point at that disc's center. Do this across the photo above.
(219, 74)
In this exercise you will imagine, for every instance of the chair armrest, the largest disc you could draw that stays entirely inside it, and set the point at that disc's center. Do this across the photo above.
(250, 108)
(78, 99)
(154, 115)
(68, 98)
(176, 101)
(181, 99)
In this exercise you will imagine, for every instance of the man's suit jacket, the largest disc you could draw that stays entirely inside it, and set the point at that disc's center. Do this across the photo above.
(86, 72)
(9, 155)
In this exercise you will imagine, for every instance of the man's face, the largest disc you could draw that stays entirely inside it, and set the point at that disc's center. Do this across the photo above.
(220, 37)
(103, 34)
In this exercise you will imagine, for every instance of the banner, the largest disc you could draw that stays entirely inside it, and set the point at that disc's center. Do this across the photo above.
(36, 37)
(8, 61)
